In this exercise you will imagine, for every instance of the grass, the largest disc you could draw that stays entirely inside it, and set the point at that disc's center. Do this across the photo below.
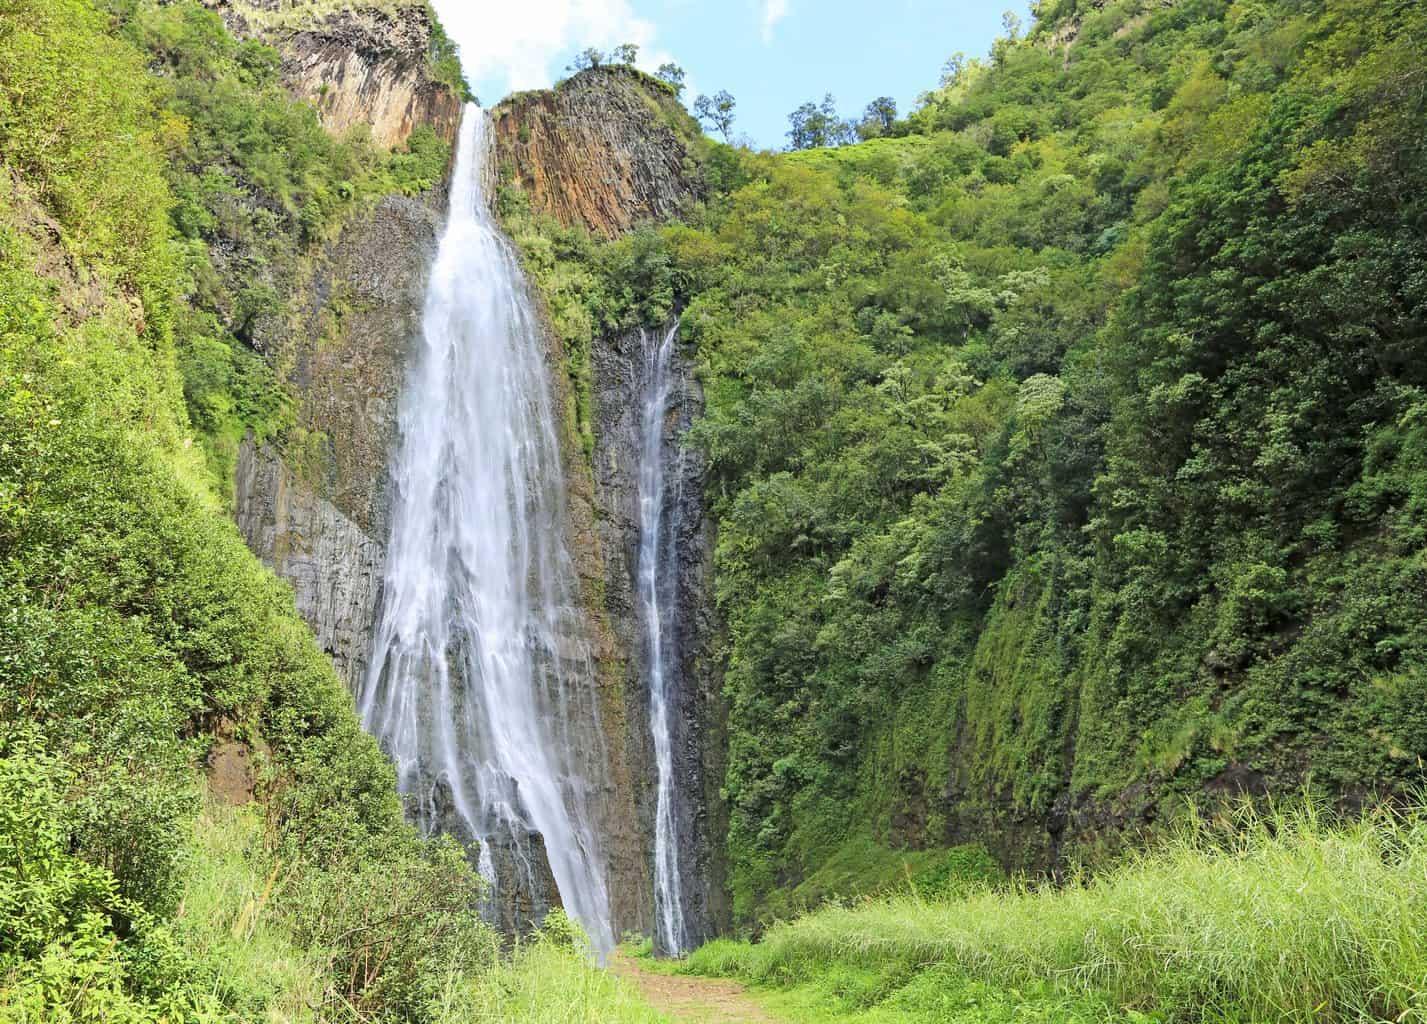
(1281, 918)
(227, 916)
(547, 982)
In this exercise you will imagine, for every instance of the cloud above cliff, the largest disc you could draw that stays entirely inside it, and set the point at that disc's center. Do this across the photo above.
(526, 45)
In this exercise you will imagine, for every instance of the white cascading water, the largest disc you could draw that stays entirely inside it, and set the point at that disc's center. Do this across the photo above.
(655, 547)
(481, 687)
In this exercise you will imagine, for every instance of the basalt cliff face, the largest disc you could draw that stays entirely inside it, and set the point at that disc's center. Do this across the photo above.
(317, 511)
(360, 64)
(620, 373)
(606, 151)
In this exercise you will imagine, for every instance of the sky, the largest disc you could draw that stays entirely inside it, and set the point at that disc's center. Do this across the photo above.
(772, 55)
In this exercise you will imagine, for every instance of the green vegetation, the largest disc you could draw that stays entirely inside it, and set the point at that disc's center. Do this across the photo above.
(1065, 440)
(1280, 918)
(549, 980)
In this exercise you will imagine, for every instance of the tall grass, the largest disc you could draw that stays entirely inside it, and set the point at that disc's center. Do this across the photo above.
(546, 983)
(228, 920)
(1281, 918)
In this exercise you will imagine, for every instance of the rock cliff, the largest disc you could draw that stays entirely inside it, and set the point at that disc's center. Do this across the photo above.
(608, 149)
(318, 513)
(358, 64)
(621, 368)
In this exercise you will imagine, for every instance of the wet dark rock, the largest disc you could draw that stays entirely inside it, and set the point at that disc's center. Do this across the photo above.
(317, 511)
(620, 369)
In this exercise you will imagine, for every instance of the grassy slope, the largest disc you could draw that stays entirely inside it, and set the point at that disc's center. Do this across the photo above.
(1281, 919)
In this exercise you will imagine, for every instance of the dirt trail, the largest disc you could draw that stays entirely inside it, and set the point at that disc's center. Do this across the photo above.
(692, 1000)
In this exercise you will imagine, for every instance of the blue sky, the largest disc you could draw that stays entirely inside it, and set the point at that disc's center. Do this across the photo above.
(771, 54)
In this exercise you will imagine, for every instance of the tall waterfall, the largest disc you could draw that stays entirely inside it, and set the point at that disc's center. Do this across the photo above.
(656, 605)
(481, 687)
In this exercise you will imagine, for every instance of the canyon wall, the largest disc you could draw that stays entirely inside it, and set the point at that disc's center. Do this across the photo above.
(608, 149)
(317, 511)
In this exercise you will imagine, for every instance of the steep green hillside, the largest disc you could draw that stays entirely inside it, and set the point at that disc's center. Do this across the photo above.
(1067, 443)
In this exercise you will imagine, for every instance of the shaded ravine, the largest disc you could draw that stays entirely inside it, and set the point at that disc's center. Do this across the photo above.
(480, 684)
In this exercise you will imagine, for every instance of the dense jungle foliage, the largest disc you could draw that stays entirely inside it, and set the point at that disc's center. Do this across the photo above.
(1066, 443)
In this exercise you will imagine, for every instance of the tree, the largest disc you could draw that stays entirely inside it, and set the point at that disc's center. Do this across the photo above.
(586, 59)
(814, 126)
(624, 53)
(671, 75)
(953, 69)
(878, 118)
(717, 112)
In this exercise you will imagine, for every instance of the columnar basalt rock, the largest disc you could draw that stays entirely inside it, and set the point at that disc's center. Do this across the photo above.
(361, 64)
(608, 149)
(318, 512)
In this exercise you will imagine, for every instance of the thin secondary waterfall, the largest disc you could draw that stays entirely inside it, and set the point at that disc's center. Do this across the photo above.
(656, 542)
(481, 686)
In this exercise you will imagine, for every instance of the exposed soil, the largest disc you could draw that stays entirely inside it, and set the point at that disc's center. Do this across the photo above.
(692, 1000)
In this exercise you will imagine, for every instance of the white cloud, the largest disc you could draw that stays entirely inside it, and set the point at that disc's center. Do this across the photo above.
(525, 44)
(774, 11)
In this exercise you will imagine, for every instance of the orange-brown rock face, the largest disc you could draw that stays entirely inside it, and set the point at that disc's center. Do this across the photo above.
(358, 65)
(608, 149)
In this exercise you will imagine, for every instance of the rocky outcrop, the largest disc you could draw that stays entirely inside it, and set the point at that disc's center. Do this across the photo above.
(333, 566)
(360, 64)
(318, 512)
(608, 149)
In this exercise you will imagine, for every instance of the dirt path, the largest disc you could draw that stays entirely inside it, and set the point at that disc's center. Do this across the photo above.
(692, 1000)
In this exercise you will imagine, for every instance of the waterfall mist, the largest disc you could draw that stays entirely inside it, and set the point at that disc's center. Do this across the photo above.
(481, 686)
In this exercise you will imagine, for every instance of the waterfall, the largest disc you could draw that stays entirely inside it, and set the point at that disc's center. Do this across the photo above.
(656, 605)
(481, 686)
